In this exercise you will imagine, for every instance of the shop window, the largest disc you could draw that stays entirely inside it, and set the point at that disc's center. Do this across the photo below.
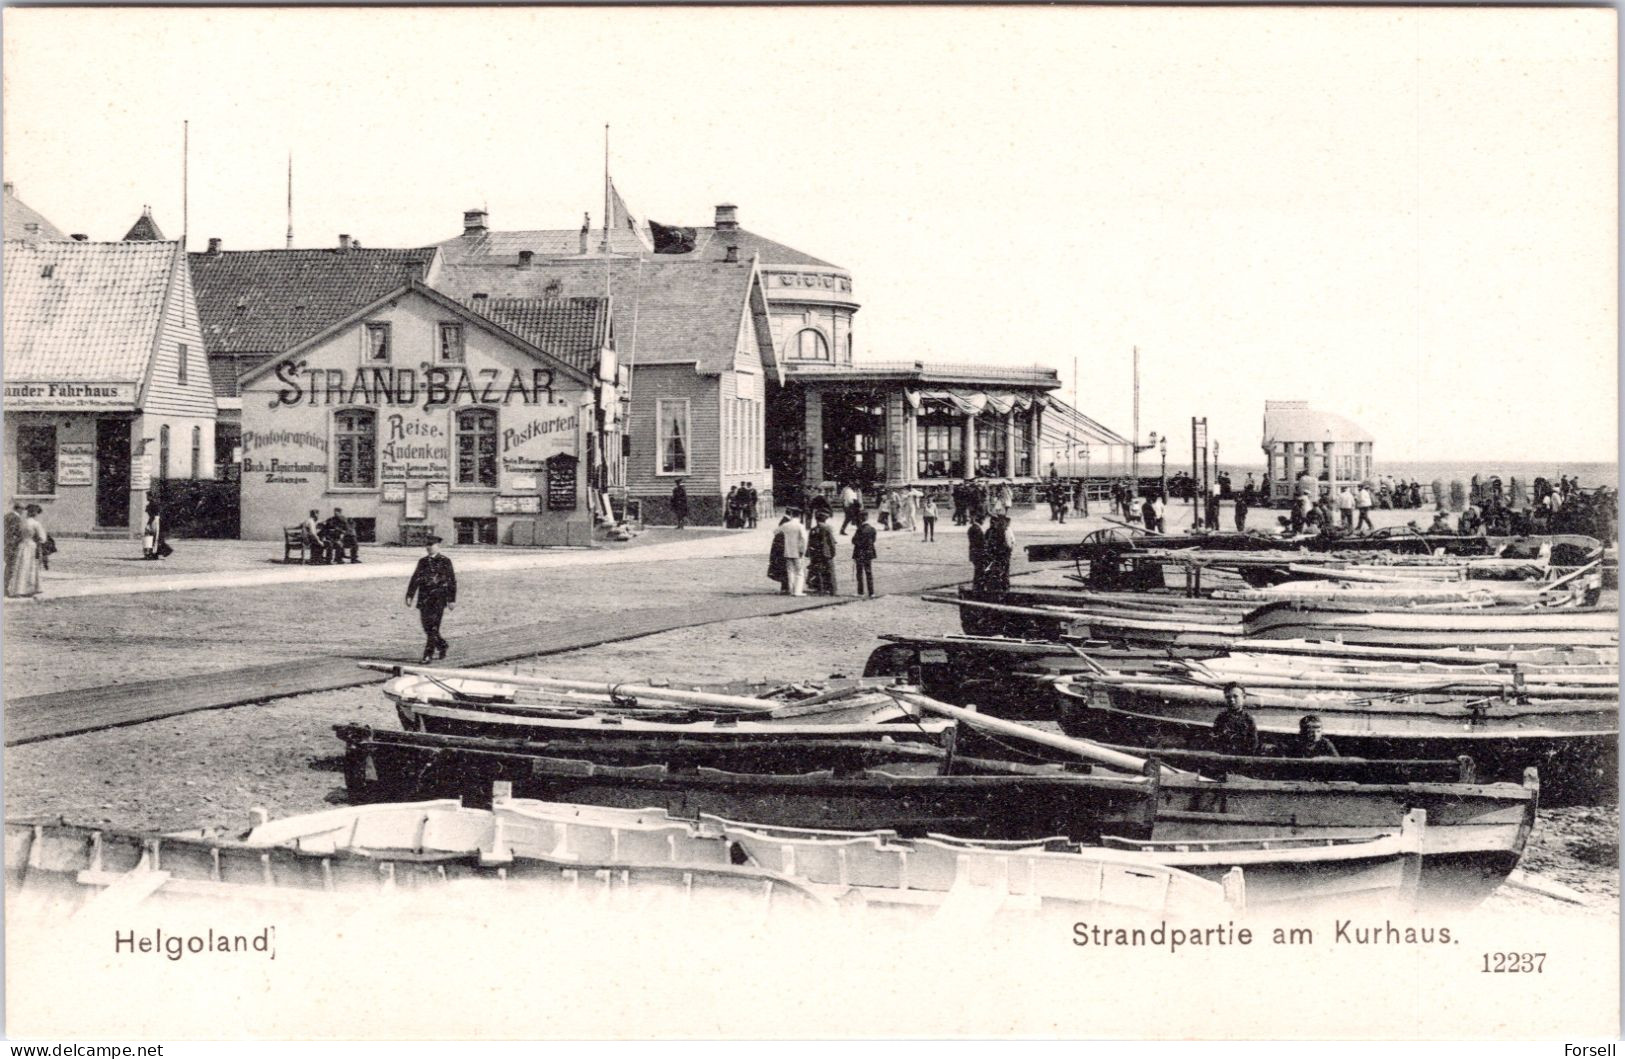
(476, 530)
(355, 446)
(672, 436)
(991, 435)
(36, 460)
(197, 452)
(163, 453)
(377, 343)
(180, 364)
(477, 448)
(810, 344)
(941, 432)
(451, 343)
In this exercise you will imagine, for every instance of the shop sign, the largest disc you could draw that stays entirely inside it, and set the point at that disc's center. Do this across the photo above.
(69, 396)
(433, 387)
(561, 483)
(140, 472)
(414, 450)
(75, 463)
(285, 457)
(528, 443)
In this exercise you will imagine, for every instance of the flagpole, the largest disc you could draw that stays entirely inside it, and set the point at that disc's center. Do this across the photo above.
(605, 246)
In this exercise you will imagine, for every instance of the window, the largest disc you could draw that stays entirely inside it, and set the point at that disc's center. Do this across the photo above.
(477, 448)
(941, 431)
(163, 452)
(180, 364)
(1022, 424)
(377, 350)
(810, 344)
(355, 447)
(451, 343)
(855, 437)
(197, 452)
(36, 460)
(992, 432)
(671, 436)
(475, 530)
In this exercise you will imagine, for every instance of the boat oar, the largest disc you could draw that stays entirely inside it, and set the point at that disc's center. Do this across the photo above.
(648, 691)
(1081, 747)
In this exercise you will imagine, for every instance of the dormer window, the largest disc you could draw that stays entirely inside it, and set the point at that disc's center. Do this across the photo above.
(47, 272)
(451, 343)
(377, 351)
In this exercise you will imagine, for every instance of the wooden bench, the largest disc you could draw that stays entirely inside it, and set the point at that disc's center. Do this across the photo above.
(293, 540)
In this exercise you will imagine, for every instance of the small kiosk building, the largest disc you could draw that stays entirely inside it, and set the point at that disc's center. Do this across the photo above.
(1300, 440)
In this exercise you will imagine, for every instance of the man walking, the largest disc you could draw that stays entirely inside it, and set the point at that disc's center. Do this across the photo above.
(1363, 501)
(821, 553)
(679, 504)
(863, 550)
(1345, 508)
(1241, 512)
(928, 515)
(849, 507)
(434, 588)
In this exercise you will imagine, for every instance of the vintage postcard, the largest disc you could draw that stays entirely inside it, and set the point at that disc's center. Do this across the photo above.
(811, 522)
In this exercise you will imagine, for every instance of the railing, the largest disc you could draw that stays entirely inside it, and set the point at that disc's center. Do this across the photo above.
(1035, 373)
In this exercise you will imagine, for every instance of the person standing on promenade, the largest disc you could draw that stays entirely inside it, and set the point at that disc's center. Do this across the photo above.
(14, 533)
(1000, 548)
(679, 504)
(928, 515)
(794, 533)
(1345, 508)
(22, 582)
(434, 589)
(752, 499)
(776, 568)
(976, 537)
(1159, 508)
(821, 554)
(152, 534)
(1362, 501)
(864, 552)
(1213, 507)
(1148, 513)
(1242, 504)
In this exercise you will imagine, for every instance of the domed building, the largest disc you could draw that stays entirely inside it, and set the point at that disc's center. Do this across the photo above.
(1300, 440)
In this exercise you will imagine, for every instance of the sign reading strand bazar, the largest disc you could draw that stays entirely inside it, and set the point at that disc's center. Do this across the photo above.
(69, 396)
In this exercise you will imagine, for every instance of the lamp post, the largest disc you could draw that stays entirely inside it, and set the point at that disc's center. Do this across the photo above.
(1162, 445)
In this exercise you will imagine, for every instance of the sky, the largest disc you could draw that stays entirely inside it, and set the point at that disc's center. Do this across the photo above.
(1404, 216)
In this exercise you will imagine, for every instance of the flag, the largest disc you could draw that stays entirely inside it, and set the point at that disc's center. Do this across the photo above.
(621, 217)
(671, 240)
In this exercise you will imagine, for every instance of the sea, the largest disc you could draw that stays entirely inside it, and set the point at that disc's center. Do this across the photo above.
(1589, 474)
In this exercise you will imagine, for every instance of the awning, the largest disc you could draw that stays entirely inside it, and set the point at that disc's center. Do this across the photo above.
(973, 402)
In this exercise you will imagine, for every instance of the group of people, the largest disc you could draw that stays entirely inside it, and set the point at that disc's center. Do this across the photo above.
(738, 509)
(28, 550)
(330, 540)
(991, 548)
(802, 559)
(974, 497)
(1235, 732)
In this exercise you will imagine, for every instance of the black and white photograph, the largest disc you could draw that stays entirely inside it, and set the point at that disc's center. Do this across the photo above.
(811, 522)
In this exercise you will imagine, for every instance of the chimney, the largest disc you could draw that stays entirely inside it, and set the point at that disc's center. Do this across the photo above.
(733, 254)
(473, 222)
(11, 189)
(586, 227)
(413, 271)
(80, 237)
(480, 296)
(727, 217)
(344, 243)
(524, 258)
(214, 245)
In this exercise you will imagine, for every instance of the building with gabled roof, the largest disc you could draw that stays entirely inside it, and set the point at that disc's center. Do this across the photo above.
(145, 229)
(107, 392)
(419, 414)
(695, 341)
(23, 222)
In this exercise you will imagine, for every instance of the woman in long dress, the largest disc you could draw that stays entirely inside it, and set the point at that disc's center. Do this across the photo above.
(152, 535)
(23, 581)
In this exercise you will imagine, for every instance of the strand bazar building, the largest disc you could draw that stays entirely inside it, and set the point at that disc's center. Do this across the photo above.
(739, 356)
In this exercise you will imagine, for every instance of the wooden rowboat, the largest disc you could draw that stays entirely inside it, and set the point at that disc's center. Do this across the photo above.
(1476, 833)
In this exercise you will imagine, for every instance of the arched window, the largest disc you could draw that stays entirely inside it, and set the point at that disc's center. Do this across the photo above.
(197, 452)
(163, 452)
(355, 446)
(809, 344)
(477, 447)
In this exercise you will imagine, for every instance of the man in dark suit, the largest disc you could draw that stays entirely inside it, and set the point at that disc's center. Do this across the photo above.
(340, 533)
(679, 504)
(434, 587)
(976, 538)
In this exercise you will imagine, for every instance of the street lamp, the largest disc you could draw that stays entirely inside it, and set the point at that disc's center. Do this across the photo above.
(1163, 446)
